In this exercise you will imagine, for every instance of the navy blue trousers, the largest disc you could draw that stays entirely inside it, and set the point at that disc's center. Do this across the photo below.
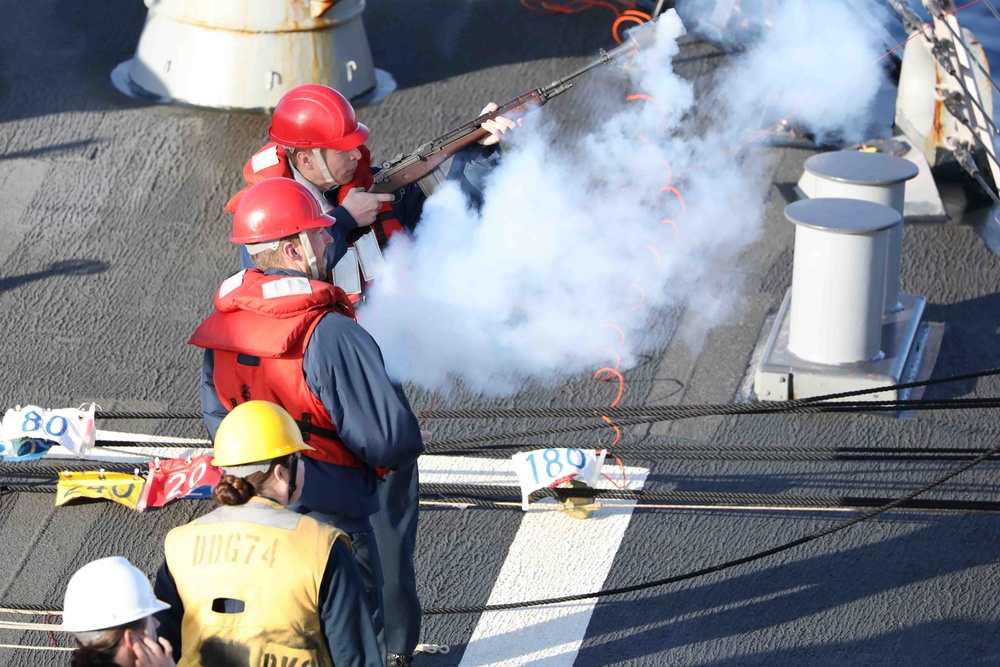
(395, 528)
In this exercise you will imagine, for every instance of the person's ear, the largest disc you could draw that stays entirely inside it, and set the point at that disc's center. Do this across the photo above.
(281, 474)
(128, 638)
(303, 159)
(290, 251)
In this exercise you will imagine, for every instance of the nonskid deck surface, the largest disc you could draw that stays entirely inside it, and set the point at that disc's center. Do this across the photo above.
(114, 239)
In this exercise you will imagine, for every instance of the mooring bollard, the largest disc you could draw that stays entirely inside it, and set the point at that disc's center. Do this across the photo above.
(838, 279)
(879, 178)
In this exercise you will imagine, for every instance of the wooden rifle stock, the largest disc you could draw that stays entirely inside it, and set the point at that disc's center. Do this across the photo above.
(406, 169)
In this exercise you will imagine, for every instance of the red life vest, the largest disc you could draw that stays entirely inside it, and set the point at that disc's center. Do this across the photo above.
(258, 334)
(270, 161)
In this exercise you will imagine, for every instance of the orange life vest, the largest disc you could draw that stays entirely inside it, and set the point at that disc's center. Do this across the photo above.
(258, 334)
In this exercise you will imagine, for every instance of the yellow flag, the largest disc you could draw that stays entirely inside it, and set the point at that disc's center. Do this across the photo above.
(120, 487)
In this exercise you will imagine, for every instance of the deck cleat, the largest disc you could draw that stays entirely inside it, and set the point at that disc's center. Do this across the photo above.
(578, 507)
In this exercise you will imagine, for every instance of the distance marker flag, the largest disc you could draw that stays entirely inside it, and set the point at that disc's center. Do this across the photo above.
(121, 487)
(179, 478)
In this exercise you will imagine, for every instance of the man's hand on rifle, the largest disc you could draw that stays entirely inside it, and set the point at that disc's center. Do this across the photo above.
(497, 126)
(364, 206)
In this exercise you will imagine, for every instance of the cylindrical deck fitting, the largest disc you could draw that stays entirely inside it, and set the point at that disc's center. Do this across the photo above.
(246, 54)
(838, 279)
(875, 177)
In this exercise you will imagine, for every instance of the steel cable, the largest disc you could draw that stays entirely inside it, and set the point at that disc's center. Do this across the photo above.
(778, 405)
(435, 611)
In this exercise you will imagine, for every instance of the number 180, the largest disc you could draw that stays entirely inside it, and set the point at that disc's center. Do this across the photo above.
(554, 464)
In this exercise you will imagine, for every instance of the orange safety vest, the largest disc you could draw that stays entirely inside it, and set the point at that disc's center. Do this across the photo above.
(258, 334)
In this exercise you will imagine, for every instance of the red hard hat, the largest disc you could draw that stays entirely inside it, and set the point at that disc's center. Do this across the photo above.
(315, 116)
(276, 208)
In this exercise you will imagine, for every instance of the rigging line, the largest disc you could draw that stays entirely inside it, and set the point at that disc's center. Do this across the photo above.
(709, 499)
(722, 408)
(29, 647)
(969, 165)
(502, 452)
(968, 51)
(515, 505)
(498, 492)
(41, 627)
(431, 611)
(971, 98)
(29, 611)
(636, 421)
(859, 392)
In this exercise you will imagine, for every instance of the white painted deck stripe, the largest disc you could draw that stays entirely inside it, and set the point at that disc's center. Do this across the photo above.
(551, 555)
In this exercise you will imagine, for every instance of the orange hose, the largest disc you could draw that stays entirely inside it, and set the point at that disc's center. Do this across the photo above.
(648, 98)
(629, 17)
(618, 431)
(572, 7)
(619, 330)
(612, 373)
(618, 361)
(642, 297)
(624, 478)
(677, 234)
(656, 253)
(677, 193)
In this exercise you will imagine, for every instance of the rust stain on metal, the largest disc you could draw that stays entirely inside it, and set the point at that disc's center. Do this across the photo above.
(318, 7)
(937, 129)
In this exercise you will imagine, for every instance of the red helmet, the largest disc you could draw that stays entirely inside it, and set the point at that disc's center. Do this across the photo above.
(276, 208)
(315, 116)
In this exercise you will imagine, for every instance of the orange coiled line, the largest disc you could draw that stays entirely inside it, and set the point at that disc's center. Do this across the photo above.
(607, 373)
(574, 6)
(603, 375)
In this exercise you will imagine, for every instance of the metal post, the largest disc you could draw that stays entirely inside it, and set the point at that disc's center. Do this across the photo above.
(838, 279)
(875, 177)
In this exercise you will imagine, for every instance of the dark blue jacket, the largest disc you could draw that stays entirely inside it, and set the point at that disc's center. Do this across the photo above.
(344, 369)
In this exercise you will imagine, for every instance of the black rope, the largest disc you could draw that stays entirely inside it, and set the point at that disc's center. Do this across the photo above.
(40, 610)
(140, 443)
(434, 611)
(100, 414)
(671, 413)
(775, 406)
(511, 494)
(486, 502)
(47, 468)
(685, 411)
(637, 415)
(673, 452)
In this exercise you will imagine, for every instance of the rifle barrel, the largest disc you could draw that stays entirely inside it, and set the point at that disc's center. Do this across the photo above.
(637, 38)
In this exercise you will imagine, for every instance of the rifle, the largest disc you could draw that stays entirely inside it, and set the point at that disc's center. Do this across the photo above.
(405, 169)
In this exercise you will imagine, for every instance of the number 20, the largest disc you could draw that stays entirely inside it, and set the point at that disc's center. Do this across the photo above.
(177, 480)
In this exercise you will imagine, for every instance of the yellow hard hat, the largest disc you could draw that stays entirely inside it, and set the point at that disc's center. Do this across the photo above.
(254, 432)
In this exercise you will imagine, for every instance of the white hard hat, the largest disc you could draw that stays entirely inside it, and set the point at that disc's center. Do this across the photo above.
(107, 593)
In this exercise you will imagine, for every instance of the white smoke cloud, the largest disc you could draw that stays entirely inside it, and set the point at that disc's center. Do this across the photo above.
(581, 246)
(809, 61)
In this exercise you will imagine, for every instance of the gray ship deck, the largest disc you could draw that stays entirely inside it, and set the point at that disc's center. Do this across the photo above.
(114, 239)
